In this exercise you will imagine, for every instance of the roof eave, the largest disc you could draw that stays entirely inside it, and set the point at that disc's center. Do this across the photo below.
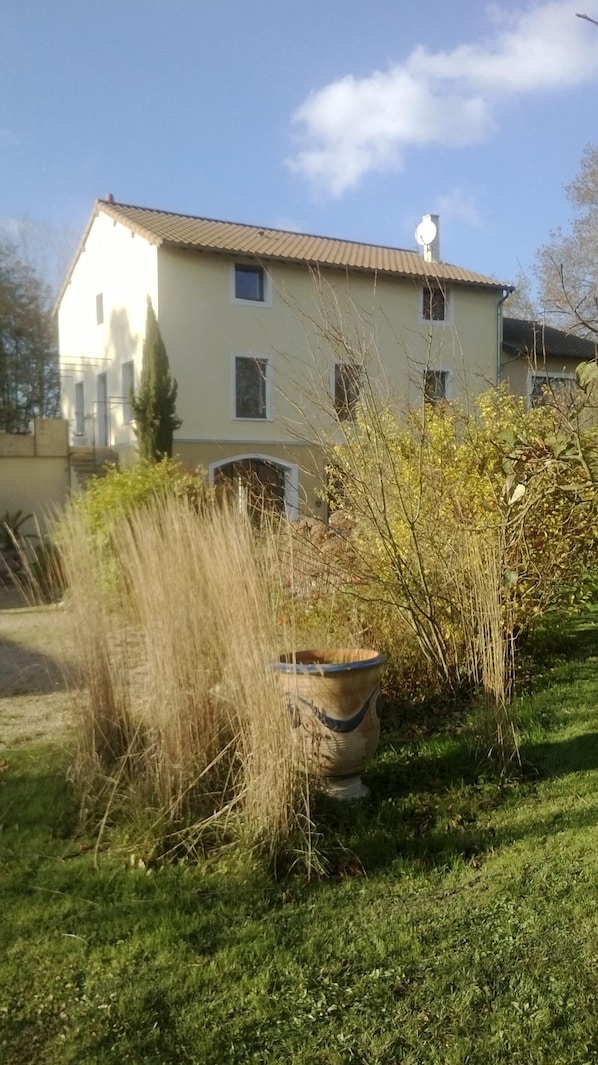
(322, 264)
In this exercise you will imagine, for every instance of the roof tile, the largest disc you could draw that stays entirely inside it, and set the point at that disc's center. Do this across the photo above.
(204, 234)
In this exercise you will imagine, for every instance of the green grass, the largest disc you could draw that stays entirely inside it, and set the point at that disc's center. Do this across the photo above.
(459, 923)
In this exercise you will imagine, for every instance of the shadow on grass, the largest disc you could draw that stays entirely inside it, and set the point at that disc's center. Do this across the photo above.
(35, 795)
(567, 637)
(433, 794)
(557, 758)
(554, 642)
(27, 672)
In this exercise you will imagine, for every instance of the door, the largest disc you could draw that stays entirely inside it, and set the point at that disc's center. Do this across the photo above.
(258, 485)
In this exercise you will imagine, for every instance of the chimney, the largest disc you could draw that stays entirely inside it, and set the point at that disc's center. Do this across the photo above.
(109, 197)
(427, 236)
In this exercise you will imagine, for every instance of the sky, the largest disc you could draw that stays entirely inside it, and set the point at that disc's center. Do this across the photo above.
(335, 117)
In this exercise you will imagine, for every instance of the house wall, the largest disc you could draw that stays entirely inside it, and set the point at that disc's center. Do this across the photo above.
(34, 471)
(121, 267)
(205, 328)
(516, 370)
(299, 330)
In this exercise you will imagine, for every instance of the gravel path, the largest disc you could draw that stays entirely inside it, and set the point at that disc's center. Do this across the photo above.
(34, 701)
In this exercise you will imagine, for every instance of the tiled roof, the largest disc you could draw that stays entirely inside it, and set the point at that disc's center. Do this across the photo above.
(527, 337)
(204, 234)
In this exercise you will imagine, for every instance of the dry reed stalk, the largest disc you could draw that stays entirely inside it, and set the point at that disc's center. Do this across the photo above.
(194, 606)
(105, 727)
(488, 646)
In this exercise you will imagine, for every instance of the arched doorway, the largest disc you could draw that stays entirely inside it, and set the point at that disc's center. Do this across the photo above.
(259, 482)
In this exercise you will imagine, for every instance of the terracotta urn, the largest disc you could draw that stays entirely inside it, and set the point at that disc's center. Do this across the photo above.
(331, 695)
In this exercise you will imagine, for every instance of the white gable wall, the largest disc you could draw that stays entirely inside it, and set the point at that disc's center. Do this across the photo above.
(121, 268)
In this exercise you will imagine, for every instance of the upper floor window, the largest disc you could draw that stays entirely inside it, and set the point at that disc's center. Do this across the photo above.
(99, 308)
(434, 304)
(347, 389)
(128, 388)
(250, 283)
(251, 387)
(435, 385)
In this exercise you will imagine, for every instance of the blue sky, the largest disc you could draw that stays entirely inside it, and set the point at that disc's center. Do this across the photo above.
(328, 116)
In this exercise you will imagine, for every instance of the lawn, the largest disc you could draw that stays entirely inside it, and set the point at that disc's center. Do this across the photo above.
(458, 923)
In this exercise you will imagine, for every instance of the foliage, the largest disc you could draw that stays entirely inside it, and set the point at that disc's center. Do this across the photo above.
(123, 490)
(567, 264)
(11, 528)
(29, 382)
(469, 525)
(154, 407)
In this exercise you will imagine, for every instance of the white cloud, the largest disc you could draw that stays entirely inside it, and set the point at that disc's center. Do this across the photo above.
(459, 203)
(357, 125)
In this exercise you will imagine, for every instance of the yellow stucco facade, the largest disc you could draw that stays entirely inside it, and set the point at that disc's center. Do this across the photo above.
(306, 321)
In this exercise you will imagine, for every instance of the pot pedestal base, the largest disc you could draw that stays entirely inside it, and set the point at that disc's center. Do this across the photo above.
(347, 789)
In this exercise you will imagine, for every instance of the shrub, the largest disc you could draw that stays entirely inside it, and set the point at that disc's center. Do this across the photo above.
(468, 525)
(124, 490)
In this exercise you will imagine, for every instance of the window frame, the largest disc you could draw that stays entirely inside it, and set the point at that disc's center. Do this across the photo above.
(446, 378)
(267, 380)
(429, 292)
(345, 409)
(546, 377)
(254, 268)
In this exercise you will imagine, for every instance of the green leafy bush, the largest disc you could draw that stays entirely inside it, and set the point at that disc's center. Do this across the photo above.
(124, 490)
(114, 498)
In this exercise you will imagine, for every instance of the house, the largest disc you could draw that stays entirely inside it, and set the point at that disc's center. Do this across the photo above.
(536, 356)
(268, 335)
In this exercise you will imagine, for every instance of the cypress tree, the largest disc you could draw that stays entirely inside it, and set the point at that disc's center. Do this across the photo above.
(154, 406)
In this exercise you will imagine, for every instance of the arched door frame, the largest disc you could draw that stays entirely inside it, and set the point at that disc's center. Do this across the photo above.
(290, 470)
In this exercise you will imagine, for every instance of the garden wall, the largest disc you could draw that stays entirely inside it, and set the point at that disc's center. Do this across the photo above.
(34, 470)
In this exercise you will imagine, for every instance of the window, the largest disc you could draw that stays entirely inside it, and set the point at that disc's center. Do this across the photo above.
(347, 387)
(102, 411)
(128, 389)
(99, 308)
(435, 385)
(434, 305)
(543, 386)
(251, 387)
(250, 283)
(79, 409)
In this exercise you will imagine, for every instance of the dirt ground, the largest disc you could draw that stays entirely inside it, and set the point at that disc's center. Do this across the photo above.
(34, 651)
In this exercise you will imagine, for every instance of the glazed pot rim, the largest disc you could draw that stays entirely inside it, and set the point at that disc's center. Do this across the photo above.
(323, 661)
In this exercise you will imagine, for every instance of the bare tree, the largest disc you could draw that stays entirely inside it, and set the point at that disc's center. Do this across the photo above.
(567, 265)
